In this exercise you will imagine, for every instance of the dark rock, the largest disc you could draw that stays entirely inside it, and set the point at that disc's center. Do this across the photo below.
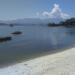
(3, 39)
(17, 33)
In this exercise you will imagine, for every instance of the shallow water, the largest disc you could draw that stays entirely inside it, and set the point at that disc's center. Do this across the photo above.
(33, 41)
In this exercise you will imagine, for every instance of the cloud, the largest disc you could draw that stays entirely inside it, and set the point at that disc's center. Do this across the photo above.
(56, 12)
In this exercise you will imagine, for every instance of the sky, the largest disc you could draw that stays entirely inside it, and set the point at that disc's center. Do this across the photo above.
(17, 9)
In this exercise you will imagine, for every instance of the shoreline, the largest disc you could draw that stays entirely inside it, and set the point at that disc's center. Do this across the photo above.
(62, 63)
(32, 57)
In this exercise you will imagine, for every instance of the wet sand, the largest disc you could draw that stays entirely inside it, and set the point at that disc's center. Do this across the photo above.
(62, 63)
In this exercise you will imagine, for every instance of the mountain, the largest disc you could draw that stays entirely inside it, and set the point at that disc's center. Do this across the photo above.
(27, 21)
(54, 16)
(35, 21)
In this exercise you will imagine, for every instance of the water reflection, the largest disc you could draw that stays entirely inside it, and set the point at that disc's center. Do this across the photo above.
(71, 32)
(34, 41)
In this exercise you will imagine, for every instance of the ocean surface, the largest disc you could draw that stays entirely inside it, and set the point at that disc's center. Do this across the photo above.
(34, 41)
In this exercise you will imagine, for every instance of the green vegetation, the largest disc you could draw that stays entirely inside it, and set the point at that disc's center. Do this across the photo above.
(67, 23)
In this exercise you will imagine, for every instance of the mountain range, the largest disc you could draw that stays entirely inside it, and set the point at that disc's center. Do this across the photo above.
(33, 21)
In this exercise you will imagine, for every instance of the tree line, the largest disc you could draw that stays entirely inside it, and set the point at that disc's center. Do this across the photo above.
(66, 23)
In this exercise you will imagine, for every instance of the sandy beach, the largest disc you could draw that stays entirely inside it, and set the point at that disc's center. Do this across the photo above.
(62, 63)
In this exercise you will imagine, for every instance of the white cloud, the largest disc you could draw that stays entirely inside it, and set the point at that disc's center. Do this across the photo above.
(56, 12)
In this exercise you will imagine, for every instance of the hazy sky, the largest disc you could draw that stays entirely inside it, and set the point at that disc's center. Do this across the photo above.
(14, 9)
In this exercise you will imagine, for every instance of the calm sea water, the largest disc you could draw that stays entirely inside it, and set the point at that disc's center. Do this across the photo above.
(34, 40)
